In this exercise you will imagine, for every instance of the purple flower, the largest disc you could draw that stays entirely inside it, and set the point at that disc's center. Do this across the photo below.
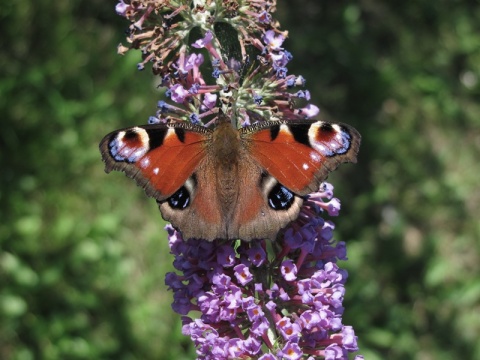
(153, 120)
(288, 270)
(195, 119)
(192, 61)
(310, 319)
(216, 73)
(209, 101)
(280, 59)
(303, 94)
(243, 274)
(226, 256)
(291, 351)
(194, 89)
(335, 352)
(309, 111)
(349, 340)
(203, 42)
(332, 207)
(290, 331)
(256, 254)
(273, 41)
(181, 303)
(255, 313)
(121, 8)
(281, 71)
(173, 281)
(234, 348)
(221, 281)
(252, 345)
(290, 81)
(300, 81)
(163, 106)
(264, 17)
(178, 93)
(257, 99)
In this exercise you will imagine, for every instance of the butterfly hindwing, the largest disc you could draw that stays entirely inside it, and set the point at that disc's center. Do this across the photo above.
(263, 208)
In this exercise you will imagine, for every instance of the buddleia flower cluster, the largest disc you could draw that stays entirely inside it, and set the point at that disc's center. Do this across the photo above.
(216, 56)
(266, 300)
(243, 300)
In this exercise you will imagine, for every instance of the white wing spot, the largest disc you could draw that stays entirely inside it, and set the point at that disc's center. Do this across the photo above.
(145, 162)
(139, 153)
(284, 128)
(305, 166)
(156, 171)
(315, 157)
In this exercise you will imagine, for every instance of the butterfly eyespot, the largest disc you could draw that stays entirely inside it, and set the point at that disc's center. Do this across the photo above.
(280, 198)
(180, 200)
(130, 145)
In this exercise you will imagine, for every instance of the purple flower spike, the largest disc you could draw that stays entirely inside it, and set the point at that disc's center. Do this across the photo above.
(243, 293)
(260, 299)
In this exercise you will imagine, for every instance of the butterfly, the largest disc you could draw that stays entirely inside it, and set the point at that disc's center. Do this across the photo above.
(228, 183)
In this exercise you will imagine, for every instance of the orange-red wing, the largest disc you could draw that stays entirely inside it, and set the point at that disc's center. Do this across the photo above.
(159, 157)
(301, 154)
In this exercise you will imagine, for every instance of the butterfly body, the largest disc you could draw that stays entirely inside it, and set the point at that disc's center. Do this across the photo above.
(227, 183)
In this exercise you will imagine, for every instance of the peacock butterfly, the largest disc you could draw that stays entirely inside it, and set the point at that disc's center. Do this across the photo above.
(227, 183)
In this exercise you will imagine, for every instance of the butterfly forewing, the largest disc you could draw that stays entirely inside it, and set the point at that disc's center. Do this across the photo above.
(159, 157)
(301, 154)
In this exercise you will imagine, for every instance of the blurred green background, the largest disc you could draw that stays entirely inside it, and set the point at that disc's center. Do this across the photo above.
(83, 255)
